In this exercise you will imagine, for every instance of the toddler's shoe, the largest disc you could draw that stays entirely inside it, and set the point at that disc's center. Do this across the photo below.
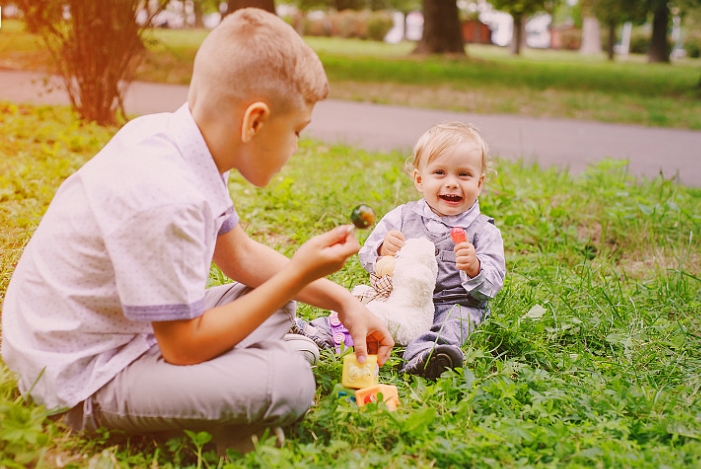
(305, 346)
(321, 336)
(433, 362)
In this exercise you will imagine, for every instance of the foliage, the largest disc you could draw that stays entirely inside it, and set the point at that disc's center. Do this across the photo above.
(538, 83)
(590, 358)
(520, 10)
(96, 50)
(692, 44)
(639, 41)
(365, 24)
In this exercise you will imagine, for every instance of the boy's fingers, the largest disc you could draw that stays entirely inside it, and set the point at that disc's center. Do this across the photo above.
(361, 351)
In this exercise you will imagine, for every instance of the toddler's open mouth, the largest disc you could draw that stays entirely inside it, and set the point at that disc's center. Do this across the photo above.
(451, 198)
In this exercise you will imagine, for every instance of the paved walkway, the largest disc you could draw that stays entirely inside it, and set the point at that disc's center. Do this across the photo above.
(564, 143)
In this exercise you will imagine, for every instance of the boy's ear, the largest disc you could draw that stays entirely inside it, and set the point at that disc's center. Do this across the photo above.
(253, 119)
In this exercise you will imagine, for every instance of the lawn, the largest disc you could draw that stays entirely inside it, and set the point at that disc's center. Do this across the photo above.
(540, 83)
(591, 357)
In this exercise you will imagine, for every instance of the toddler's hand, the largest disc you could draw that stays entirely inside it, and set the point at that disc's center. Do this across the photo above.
(394, 240)
(466, 259)
(326, 253)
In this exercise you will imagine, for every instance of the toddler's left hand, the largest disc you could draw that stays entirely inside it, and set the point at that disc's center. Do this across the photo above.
(466, 259)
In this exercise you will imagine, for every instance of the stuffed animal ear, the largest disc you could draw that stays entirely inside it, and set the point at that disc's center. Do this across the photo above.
(384, 266)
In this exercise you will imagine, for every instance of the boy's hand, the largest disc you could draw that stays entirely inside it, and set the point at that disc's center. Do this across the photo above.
(393, 242)
(326, 253)
(370, 335)
(466, 259)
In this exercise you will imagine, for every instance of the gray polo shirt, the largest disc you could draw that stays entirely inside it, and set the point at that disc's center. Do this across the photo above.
(128, 239)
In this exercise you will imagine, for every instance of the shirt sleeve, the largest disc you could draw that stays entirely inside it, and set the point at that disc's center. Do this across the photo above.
(368, 253)
(161, 260)
(489, 248)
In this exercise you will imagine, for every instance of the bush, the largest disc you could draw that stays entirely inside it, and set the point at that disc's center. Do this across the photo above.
(571, 38)
(692, 44)
(351, 24)
(378, 25)
(316, 27)
(639, 42)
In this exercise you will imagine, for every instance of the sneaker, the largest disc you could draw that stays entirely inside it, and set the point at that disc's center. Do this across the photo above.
(306, 346)
(321, 336)
(432, 363)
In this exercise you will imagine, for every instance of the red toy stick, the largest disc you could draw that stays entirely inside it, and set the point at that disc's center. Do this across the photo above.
(457, 234)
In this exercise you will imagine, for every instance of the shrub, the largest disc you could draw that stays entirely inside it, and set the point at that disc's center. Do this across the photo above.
(571, 38)
(378, 25)
(692, 44)
(316, 26)
(349, 24)
(639, 42)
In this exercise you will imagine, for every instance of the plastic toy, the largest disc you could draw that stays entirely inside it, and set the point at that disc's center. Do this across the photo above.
(343, 393)
(457, 234)
(340, 334)
(363, 216)
(359, 376)
(406, 307)
(370, 394)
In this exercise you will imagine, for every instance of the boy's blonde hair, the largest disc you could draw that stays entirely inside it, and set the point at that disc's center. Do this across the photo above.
(444, 137)
(253, 55)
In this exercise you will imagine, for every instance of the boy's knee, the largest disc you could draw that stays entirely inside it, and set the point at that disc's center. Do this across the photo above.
(292, 391)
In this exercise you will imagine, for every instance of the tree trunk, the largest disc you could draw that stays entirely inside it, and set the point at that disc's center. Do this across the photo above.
(267, 5)
(517, 36)
(591, 36)
(659, 45)
(611, 40)
(441, 33)
(197, 10)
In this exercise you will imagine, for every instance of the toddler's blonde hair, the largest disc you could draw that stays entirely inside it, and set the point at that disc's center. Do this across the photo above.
(253, 55)
(444, 137)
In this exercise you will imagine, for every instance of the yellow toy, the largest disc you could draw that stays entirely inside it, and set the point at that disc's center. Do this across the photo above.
(359, 376)
(368, 395)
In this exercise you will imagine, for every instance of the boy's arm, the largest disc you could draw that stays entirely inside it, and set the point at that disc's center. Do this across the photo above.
(278, 280)
(252, 263)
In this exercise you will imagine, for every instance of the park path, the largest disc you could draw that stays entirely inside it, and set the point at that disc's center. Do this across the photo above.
(564, 143)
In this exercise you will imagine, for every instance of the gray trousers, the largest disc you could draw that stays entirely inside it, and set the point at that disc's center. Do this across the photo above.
(261, 383)
(452, 325)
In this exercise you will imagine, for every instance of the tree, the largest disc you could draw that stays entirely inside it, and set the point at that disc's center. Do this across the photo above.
(520, 10)
(95, 49)
(614, 12)
(659, 42)
(267, 5)
(442, 33)
(591, 32)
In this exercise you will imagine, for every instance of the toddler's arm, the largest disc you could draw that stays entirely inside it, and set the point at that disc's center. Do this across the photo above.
(374, 243)
(466, 258)
(489, 254)
(393, 242)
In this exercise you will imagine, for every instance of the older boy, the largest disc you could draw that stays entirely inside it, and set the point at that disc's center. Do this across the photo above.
(108, 301)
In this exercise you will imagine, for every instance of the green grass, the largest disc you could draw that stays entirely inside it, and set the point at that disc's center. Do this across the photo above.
(591, 357)
(541, 83)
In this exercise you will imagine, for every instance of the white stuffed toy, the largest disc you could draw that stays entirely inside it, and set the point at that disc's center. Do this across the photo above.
(406, 306)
